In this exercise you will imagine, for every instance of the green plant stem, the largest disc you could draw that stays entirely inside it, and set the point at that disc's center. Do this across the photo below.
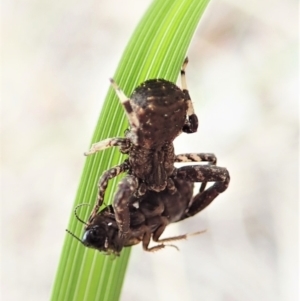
(156, 50)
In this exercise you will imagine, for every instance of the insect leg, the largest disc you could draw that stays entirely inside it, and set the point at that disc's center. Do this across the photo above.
(146, 242)
(159, 231)
(163, 223)
(127, 186)
(191, 125)
(126, 104)
(179, 237)
(204, 173)
(194, 157)
(123, 143)
(102, 185)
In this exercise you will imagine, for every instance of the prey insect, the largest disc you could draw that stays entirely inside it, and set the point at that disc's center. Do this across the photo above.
(149, 217)
(157, 111)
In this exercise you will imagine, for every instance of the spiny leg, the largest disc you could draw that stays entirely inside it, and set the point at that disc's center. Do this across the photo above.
(102, 185)
(163, 224)
(123, 143)
(197, 157)
(179, 237)
(126, 188)
(168, 239)
(146, 242)
(206, 173)
(126, 104)
(159, 231)
(159, 247)
(191, 125)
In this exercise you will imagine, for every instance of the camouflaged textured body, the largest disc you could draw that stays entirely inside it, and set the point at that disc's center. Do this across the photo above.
(161, 109)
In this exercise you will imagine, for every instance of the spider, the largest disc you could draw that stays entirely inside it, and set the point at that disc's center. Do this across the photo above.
(157, 111)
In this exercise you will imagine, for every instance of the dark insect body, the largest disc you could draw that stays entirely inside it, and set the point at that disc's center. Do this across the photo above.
(149, 216)
(157, 111)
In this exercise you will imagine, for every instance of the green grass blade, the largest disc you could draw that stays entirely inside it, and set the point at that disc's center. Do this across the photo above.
(156, 49)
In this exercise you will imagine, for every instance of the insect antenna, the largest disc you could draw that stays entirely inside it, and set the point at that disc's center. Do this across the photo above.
(75, 212)
(72, 234)
(78, 218)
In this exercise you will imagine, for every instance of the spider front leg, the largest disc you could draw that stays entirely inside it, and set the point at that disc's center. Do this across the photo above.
(191, 124)
(102, 185)
(125, 101)
(122, 143)
(126, 188)
(204, 173)
(197, 157)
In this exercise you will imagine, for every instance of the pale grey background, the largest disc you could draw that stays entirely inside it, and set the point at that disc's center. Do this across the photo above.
(243, 78)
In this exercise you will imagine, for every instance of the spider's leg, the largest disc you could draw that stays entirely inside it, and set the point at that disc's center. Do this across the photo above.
(204, 173)
(132, 118)
(191, 125)
(197, 157)
(102, 185)
(122, 143)
(127, 186)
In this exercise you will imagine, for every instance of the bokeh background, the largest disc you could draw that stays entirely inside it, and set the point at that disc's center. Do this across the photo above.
(243, 77)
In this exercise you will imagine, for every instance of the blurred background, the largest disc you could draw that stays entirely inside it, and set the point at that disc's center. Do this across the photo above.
(243, 78)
